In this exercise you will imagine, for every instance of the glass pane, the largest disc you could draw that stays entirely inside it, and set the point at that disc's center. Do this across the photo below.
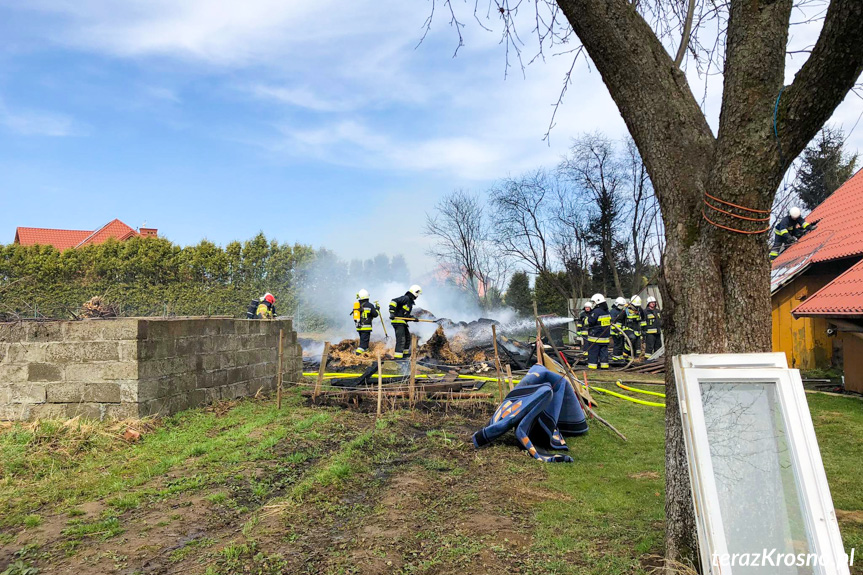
(759, 495)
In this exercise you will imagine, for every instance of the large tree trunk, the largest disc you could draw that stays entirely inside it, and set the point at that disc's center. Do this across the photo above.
(715, 282)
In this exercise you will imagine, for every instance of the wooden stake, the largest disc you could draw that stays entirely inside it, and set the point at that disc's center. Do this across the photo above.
(497, 363)
(509, 377)
(380, 385)
(281, 355)
(413, 373)
(324, 357)
(538, 336)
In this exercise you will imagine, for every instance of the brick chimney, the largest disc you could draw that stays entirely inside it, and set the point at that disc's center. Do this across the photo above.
(148, 232)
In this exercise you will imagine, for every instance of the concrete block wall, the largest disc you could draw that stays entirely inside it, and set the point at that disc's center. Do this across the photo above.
(133, 367)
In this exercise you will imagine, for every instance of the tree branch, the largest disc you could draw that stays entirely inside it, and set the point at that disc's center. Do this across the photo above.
(684, 38)
(650, 91)
(824, 80)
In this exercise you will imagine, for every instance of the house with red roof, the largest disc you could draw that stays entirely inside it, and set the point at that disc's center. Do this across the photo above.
(817, 289)
(65, 239)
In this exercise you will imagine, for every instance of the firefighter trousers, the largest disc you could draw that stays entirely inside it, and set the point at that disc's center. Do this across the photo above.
(597, 355)
(403, 340)
(652, 343)
(365, 336)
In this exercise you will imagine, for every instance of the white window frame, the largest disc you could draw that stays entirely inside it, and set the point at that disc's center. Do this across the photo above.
(690, 371)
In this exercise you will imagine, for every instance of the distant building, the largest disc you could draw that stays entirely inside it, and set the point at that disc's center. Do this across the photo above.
(65, 239)
(817, 289)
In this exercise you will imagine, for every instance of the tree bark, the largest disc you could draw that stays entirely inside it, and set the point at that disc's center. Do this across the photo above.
(715, 281)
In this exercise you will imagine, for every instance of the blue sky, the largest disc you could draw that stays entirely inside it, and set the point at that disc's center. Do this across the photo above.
(314, 122)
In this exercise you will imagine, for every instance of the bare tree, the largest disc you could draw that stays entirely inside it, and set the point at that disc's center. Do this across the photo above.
(571, 239)
(642, 213)
(592, 166)
(462, 237)
(715, 190)
(527, 229)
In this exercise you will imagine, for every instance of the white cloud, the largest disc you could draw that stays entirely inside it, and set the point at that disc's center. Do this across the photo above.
(38, 123)
(301, 97)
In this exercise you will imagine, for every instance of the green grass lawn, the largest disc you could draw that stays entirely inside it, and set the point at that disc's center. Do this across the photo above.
(246, 488)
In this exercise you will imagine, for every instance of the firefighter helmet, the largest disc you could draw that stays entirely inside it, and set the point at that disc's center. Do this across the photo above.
(588, 303)
(416, 290)
(651, 299)
(597, 299)
(362, 294)
(620, 302)
(269, 298)
(794, 213)
(636, 301)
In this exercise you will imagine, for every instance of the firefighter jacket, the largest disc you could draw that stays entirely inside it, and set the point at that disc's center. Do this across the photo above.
(599, 324)
(368, 312)
(618, 320)
(787, 228)
(582, 323)
(635, 320)
(652, 320)
(401, 307)
(266, 310)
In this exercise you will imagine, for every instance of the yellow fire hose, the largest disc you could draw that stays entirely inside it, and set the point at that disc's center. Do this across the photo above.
(644, 391)
(387, 376)
(627, 398)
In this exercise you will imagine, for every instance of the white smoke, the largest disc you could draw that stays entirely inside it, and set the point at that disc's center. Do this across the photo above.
(329, 287)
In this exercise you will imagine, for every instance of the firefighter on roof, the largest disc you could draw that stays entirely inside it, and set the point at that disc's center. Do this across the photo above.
(788, 230)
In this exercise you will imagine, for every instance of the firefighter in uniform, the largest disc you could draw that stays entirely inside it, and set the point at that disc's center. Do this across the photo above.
(364, 314)
(400, 314)
(267, 308)
(788, 230)
(598, 333)
(652, 327)
(618, 322)
(633, 325)
(582, 324)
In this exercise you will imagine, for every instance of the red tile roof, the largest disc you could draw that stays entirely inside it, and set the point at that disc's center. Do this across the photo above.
(60, 239)
(113, 229)
(65, 239)
(840, 229)
(842, 296)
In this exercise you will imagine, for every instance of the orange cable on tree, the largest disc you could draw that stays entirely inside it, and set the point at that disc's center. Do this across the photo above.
(704, 215)
(733, 215)
(736, 206)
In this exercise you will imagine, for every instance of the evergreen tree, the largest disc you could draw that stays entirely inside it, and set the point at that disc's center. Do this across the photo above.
(548, 297)
(518, 295)
(825, 167)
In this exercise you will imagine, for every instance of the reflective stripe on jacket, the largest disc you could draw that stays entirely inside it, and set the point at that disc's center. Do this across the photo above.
(599, 324)
(368, 312)
(401, 307)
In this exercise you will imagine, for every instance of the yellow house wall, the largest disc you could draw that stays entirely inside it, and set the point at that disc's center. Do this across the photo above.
(804, 341)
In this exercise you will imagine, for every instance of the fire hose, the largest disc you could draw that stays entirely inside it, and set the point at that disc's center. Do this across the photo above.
(627, 398)
(344, 375)
(636, 390)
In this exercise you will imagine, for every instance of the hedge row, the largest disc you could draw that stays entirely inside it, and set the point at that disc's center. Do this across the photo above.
(152, 276)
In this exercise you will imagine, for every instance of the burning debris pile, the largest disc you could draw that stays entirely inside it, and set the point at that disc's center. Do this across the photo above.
(458, 351)
(343, 354)
(97, 307)
(466, 346)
